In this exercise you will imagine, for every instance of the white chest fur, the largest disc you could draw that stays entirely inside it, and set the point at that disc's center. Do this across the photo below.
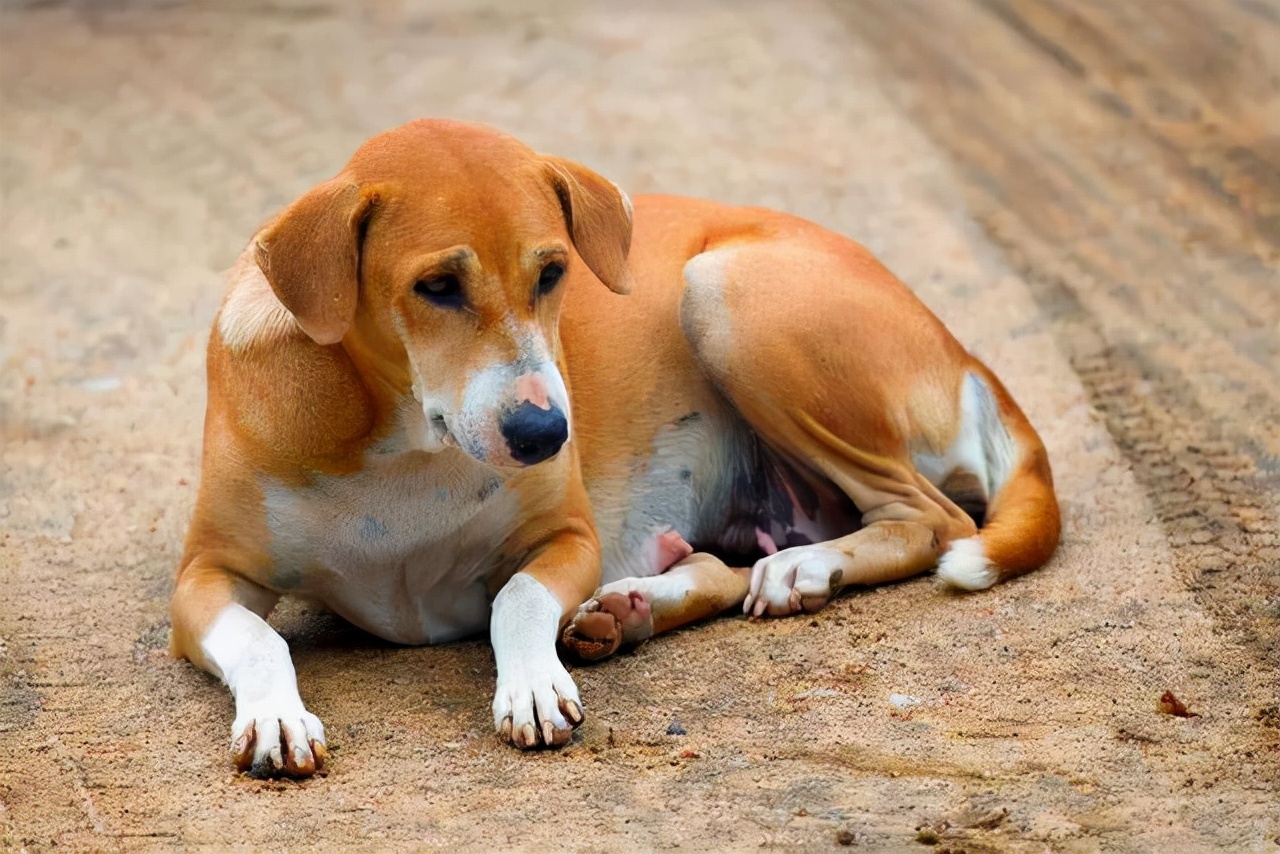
(401, 548)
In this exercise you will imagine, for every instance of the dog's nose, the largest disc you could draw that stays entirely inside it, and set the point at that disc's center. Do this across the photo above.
(534, 434)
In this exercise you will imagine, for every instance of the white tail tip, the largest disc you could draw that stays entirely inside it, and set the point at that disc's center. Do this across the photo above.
(965, 566)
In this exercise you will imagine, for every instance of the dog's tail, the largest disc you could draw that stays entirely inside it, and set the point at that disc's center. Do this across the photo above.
(1021, 524)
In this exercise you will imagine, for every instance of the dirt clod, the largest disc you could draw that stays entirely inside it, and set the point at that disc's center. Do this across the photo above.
(1171, 705)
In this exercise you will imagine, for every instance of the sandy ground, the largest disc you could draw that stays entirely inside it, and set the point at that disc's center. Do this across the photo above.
(142, 144)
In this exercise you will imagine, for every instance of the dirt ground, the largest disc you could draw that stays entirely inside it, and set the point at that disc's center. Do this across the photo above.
(1087, 192)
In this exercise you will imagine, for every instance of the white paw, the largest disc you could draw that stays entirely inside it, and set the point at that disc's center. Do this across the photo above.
(270, 740)
(536, 704)
(802, 578)
(273, 733)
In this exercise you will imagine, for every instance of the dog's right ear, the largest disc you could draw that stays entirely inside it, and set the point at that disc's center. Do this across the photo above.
(598, 216)
(310, 254)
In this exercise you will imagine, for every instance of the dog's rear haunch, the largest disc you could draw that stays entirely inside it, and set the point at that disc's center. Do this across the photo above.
(761, 414)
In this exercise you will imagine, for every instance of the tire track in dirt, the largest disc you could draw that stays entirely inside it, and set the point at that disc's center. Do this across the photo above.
(1216, 504)
(1174, 345)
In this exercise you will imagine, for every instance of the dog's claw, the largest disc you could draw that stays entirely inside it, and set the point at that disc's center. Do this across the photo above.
(294, 746)
(242, 749)
(300, 762)
(547, 718)
(572, 712)
(593, 634)
(321, 754)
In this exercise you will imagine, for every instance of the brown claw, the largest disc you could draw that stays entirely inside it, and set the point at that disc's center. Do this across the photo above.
(242, 749)
(572, 711)
(559, 737)
(321, 754)
(606, 623)
(298, 762)
(290, 760)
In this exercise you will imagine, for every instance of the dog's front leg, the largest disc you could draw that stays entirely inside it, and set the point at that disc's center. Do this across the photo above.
(536, 702)
(273, 733)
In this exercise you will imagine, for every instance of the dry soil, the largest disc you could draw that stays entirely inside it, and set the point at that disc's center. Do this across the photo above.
(1087, 192)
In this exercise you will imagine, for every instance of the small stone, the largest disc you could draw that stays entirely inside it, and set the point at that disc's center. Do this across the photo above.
(674, 728)
(903, 701)
(845, 837)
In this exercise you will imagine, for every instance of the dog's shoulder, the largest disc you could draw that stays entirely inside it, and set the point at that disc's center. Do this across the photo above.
(272, 384)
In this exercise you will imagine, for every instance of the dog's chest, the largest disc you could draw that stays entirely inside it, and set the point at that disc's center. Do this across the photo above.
(401, 548)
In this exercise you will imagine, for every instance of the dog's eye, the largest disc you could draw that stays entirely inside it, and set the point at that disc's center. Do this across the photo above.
(549, 278)
(445, 291)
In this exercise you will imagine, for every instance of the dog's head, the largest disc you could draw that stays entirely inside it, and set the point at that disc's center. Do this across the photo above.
(440, 251)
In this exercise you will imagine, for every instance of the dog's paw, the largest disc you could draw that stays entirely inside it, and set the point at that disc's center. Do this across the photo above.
(605, 623)
(803, 578)
(271, 744)
(537, 706)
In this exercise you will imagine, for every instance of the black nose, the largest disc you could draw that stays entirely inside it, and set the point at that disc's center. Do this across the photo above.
(534, 434)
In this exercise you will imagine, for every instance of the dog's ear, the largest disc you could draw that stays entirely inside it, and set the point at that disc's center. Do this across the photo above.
(310, 254)
(598, 216)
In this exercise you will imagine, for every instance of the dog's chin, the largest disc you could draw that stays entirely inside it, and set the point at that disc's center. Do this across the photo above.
(438, 435)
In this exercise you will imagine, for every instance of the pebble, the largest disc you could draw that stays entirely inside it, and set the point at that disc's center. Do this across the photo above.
(904, 701)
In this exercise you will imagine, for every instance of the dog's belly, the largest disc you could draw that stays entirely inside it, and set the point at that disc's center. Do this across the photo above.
(402, 548)
(709, 478)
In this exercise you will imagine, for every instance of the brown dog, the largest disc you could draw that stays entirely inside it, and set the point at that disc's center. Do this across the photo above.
(389, 429)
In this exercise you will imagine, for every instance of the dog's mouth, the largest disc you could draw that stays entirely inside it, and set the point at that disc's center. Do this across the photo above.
(438, 433)
(435, 435)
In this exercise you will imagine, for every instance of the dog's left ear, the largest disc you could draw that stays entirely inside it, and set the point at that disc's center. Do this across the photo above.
(310, 254)
(598, 215)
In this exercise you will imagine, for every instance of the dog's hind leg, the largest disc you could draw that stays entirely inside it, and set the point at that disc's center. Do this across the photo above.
(841, 372)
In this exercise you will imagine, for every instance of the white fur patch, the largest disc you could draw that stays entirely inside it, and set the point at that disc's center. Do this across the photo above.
(982, 445)
(965, 566)
(781, 581)
(400, 548)
(531, 680)
(251, 311)
(704, 314)
(254, 662)
(660, 591)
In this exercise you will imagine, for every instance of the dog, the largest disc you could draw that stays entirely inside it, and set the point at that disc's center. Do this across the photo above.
(434, 406)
